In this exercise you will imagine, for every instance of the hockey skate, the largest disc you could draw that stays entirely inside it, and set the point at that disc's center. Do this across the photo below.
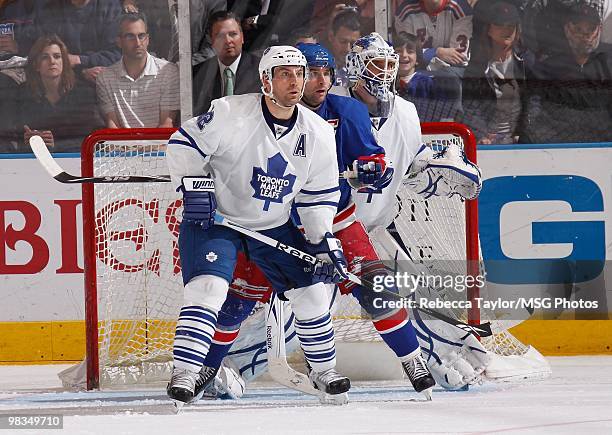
(332, 385)
(187, 387)
(417, 371)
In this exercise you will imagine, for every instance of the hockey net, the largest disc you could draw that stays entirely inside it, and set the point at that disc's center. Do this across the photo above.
(133, 287)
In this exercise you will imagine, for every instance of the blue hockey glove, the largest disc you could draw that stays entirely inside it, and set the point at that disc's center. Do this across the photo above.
(199, 202)
(373, 173)
(333, 267)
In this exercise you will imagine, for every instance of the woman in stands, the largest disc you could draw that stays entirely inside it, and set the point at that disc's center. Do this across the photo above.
(494, 83)
(53, 103)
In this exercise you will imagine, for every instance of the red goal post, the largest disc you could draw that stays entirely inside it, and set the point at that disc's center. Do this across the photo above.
(130, 344)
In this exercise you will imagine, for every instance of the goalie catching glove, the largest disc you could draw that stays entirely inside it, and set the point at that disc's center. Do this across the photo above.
(199, 202)
(371, 173)
(446, 173)
(332, 267)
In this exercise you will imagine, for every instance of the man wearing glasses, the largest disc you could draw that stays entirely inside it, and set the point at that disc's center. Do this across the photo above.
(140, 90)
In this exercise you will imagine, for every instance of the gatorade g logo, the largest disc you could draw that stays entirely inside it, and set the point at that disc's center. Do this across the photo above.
(539, 250)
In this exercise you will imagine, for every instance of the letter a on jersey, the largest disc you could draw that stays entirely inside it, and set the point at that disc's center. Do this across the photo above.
(272, 186)
(300, 147)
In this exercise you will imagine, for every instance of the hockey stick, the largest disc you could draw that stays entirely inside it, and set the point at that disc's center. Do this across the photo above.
(481, 330)
(56, 171)
(278, 368)
(48, 162)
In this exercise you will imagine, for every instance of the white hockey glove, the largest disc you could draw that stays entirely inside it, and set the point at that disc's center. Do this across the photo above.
(446, 173)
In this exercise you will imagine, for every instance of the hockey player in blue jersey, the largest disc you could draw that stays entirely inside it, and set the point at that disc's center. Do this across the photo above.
(356, 150)
(264, 155)
(395, 125)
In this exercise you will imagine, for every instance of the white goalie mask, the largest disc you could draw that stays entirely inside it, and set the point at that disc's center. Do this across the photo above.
(373, 64)
(280, 55)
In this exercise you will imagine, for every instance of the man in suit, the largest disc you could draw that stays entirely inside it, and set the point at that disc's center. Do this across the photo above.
(231, 71)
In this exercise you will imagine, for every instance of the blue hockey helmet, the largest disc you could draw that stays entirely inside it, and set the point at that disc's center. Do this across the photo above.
(318, 56)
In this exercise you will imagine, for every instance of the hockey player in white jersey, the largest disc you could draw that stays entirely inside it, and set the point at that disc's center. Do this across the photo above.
(356, 148)
(395, 124)
(372, 67)
(263, 154)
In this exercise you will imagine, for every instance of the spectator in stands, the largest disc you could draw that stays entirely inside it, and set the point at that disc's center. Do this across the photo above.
(199, 14)
(325, 11)
(88, 28)
(140, 90)
(572, 89)
(231, 71)
(443, 26)
(267, 22)
(301, 34)
(411, 83)
(344, 31)
(17, 34)
(494, 84)
(159, 24)
(17, 30)
(53, 103)
(418, 86)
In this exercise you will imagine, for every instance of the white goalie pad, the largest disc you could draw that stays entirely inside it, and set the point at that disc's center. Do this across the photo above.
(446, 173)
(455, 358)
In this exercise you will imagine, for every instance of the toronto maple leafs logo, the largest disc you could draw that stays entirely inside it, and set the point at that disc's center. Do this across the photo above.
(273, 185)
(211, 257)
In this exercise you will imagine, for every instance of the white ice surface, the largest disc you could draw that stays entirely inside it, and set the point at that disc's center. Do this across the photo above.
(577, 399)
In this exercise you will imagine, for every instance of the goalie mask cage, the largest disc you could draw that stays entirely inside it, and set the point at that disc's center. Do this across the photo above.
(133, 286)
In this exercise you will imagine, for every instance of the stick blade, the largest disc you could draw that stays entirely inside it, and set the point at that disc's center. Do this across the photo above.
(282, 373)
(44, 156)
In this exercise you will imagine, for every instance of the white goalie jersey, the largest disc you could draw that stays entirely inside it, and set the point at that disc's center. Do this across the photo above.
(261, 168)
(400, 136)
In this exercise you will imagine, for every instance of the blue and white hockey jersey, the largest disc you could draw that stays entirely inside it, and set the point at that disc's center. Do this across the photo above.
(400, 136)
(260, 166)
(354, 138)
(450, 27)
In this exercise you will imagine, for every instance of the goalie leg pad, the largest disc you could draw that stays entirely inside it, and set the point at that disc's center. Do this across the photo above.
(313, 325)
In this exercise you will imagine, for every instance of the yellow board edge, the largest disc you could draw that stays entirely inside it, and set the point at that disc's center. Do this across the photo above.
(64, 341)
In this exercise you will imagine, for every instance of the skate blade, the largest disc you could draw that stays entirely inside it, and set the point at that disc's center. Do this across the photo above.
(428, 394)
(177, 406)
(333, 399)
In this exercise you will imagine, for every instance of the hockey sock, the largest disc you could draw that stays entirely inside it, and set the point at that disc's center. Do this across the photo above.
(221, 344)
(313, 325)
(317, 340)
(194, 331)
(204, 296)
(398, 333)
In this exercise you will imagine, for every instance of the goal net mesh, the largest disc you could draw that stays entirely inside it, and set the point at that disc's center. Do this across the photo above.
(136, 280)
